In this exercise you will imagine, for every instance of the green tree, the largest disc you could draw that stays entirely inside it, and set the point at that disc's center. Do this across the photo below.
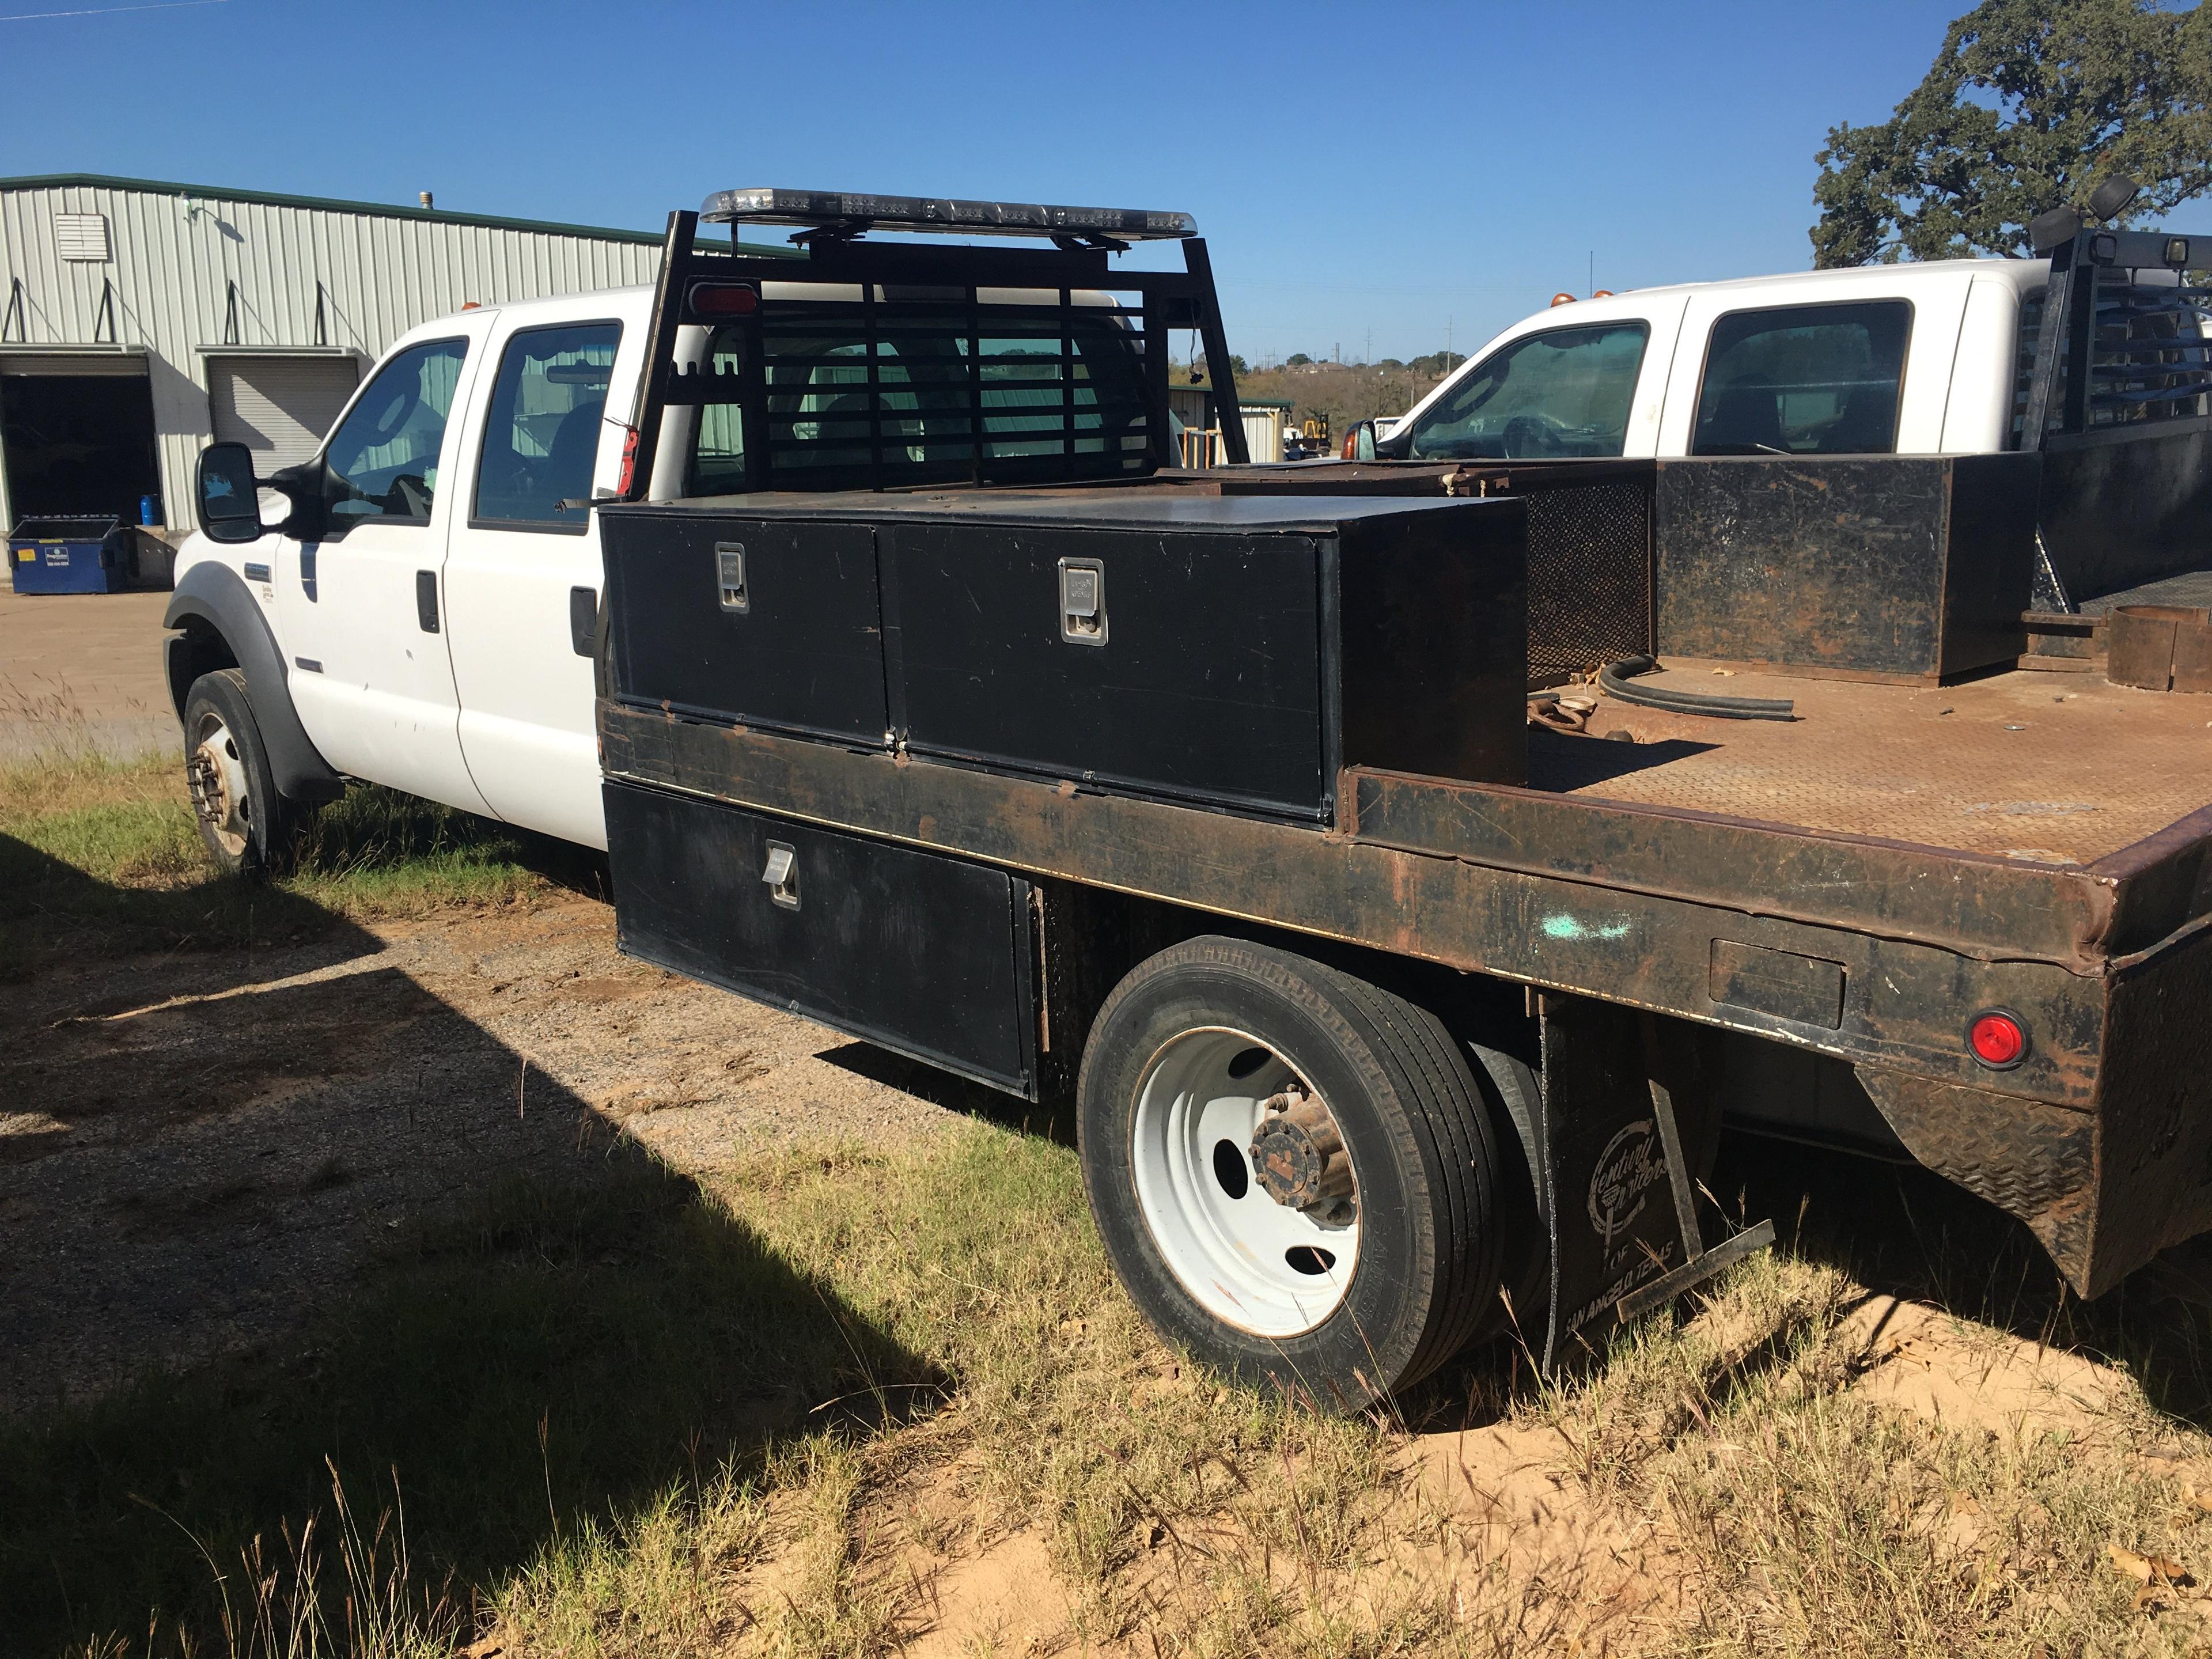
(2029, 106)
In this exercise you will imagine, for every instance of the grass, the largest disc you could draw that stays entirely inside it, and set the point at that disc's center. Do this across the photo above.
(770, 1411)
(650, 1418)
(100, 857)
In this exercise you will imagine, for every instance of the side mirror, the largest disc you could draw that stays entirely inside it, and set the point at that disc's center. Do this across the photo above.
(1360, 442)
(230, 510)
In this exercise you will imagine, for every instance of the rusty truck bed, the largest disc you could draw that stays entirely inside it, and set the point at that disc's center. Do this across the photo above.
(2061, 769)
(1856, 883)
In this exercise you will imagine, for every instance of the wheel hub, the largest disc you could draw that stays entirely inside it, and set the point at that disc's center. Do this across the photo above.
(1298, 1154)
(217, 778)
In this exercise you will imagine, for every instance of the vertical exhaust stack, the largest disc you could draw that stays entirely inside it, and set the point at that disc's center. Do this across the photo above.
(426, 199)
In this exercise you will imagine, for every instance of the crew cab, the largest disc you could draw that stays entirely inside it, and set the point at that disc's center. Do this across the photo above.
(1276, 814)
(1919, 359)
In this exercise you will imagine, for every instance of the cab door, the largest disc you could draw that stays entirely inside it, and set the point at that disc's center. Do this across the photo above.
(361, 610)
(523, 575)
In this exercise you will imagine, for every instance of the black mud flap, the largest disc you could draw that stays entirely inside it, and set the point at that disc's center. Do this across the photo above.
(1623, 1124)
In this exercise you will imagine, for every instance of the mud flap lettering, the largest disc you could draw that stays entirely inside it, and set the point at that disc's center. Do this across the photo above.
(1625, 1123)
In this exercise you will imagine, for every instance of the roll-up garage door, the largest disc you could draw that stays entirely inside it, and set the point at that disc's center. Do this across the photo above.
(280, 407)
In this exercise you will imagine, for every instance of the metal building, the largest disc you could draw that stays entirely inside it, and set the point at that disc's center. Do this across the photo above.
(143, 320)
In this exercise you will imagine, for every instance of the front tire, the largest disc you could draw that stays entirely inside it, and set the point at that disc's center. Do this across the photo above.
(1340, 1284)
(249, 828)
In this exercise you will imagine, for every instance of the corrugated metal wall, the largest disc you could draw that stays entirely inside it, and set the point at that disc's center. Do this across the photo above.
(174, 258)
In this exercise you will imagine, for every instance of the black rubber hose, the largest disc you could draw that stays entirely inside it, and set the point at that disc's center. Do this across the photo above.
(1613, 681)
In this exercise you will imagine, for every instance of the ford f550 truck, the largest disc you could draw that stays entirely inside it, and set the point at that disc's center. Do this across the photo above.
(857, 609)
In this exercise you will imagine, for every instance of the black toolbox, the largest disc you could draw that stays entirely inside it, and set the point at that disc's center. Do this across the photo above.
(929, 955)
(1232, 651)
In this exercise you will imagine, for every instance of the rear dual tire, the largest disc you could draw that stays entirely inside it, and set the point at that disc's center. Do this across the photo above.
(1335, 1306)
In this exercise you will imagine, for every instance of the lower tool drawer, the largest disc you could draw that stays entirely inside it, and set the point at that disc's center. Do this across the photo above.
(928, 954)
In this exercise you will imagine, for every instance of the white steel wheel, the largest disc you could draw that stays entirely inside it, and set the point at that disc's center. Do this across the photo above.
(1272, 1268)
(1290, 1169)
(222, 796)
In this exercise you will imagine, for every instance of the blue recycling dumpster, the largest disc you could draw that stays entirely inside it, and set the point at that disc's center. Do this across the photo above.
(72, 554)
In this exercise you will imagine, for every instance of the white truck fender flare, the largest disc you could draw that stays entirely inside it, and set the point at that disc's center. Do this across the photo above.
(212, 599)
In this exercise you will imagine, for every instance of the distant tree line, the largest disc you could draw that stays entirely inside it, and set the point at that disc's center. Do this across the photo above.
(1437, 363)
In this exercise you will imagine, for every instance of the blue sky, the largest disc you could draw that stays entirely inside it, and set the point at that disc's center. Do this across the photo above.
(1360, 173)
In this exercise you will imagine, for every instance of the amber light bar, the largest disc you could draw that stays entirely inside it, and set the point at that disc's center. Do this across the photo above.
(830, 207)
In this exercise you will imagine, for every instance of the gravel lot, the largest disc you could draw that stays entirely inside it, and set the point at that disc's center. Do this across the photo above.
(199, 1150)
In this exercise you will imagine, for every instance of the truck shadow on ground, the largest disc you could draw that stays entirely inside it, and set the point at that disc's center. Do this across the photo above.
(269, 1206)
(1903, 1231)
(1054, 1119)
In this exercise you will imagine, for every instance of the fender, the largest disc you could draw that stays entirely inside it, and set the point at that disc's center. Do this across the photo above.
(212, 596)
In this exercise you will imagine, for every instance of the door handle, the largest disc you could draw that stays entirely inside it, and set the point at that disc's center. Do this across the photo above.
(584, 620)
(1083, 601)
(426, 600)
(780, 874)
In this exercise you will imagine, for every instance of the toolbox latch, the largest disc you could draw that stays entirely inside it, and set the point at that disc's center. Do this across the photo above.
(780, 874)
(1083, 601)
(730, 570)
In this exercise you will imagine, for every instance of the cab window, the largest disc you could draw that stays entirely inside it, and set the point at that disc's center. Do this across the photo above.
(1564, 392)
(924, 390)
(383, 458)
(717, 463)
(542, 432)
(1804, 380)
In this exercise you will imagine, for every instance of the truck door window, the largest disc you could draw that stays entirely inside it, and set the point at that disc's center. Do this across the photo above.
(1804, 380)
(542, 432)
(1563, 392)
(383, 458)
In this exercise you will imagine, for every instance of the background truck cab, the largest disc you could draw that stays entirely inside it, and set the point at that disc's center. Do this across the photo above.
(1949, 357)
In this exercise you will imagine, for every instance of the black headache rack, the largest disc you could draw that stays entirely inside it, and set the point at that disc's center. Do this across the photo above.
(879, 365)
(2117, 402)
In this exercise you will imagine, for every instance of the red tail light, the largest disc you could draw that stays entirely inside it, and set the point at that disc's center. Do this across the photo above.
(722, 299)
(629, 464)
(1998, 1039)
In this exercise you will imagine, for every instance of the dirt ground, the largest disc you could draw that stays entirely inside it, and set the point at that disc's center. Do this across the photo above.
(195, 1149)
(199, 1152)
(82, 670)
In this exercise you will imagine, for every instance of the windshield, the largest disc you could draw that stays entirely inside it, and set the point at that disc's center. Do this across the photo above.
(1566, 393)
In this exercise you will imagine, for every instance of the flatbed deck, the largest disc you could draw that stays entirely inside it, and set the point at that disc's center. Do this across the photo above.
(2041, 768)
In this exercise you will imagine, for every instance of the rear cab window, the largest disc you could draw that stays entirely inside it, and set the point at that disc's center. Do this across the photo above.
(1566, 393)
(1814, 380)
(2149, 350)
(922, 387)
